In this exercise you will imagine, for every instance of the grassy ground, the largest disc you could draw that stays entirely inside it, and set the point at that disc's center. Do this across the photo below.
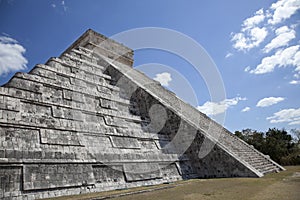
(283, 185)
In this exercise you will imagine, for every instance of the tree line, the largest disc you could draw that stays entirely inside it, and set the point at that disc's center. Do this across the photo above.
(277, 143)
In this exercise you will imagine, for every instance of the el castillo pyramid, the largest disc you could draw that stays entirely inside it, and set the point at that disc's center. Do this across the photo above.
(86, 121)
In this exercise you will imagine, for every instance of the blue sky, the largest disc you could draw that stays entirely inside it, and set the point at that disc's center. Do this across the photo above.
(254, 44)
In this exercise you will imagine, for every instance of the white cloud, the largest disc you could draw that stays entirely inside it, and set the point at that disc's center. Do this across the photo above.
(228, 55)
(282, 58)
(215, 108)
(254, 29)
(61, 6)
(295, 82)
(251, 35)
(284, 36)
(292, 116)
(6, 39)
(249, 38)
(296, 61)
(246, 109)
(164, 78)
(265, 102)
(251, 22)
(283, 9)
(11, 55)
(247, 69)
(64, 5)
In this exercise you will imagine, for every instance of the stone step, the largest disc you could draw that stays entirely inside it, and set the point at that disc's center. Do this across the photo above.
(263, 164)
(83, 54)
(58, 110)
(63, 67)
(242, 151)
(255, 159)
(245, 150)
(33, 83)
(89, 57)
(258, 162)
(88, 51)
(86, 77)
(121, 57)
(249, 155)
(270, 170)
(72, 60)
(265, 167)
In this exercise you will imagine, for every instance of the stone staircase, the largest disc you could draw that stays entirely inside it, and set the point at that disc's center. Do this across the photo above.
(263, 163)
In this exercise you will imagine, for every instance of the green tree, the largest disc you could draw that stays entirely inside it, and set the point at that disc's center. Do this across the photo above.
(296, 133)
(240, 135)
(276, 143)
(257, 140)
(252, 137)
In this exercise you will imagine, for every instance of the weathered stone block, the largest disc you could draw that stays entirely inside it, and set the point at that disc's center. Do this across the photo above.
(10, 178)
(60, 175)
(125, 142)
(73, 95)
(148, 144)
(60, 137)
(169, 170)
(141, 171)
(104, 173)
(107, 104)
(2, 153)
(19, 138)
(43, 73)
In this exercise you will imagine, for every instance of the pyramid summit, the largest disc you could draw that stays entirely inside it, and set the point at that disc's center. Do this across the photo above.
(87, 121)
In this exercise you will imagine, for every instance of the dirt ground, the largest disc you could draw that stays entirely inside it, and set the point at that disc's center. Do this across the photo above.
(281, 186)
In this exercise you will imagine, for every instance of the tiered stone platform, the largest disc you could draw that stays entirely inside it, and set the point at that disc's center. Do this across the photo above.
(86, 121)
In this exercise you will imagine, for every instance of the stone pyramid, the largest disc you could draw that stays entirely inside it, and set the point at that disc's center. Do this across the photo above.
(86, 121)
